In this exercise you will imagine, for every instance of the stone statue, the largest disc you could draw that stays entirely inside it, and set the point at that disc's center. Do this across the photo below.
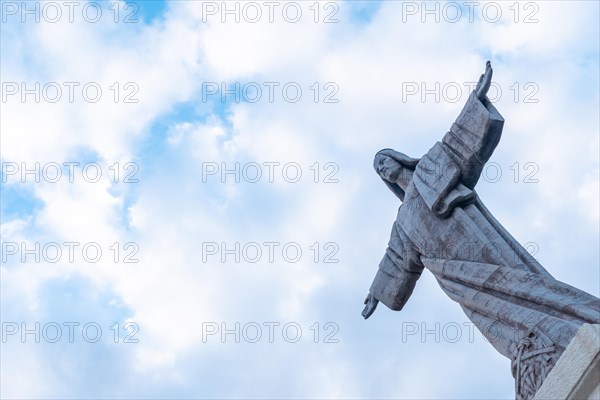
(442, 225)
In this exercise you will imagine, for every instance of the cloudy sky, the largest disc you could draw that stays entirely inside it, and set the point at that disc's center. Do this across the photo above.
(189, 207)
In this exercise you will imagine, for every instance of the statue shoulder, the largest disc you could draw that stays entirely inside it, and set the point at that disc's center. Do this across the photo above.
(437, 180)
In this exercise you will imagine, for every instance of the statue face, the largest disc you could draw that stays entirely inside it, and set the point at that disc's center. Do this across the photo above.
(387, 167)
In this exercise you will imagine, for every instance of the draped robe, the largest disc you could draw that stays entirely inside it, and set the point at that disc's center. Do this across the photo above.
(443, 226)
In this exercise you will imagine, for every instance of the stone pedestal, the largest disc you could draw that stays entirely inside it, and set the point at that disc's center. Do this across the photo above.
(576, 374)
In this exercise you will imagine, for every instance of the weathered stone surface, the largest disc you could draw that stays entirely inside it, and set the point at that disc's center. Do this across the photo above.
(443, 226)
(576, 374)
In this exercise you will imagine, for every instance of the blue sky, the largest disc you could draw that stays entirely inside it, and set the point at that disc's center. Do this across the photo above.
(151, 9)
(158, 279)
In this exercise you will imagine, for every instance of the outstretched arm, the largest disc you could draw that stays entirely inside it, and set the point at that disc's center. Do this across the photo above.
(475, 133)
(395, 280)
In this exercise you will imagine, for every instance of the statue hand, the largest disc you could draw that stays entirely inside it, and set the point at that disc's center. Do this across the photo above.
(484, 82)
(371, 304)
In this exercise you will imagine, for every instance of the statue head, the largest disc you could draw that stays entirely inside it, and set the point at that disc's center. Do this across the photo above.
(395, 169)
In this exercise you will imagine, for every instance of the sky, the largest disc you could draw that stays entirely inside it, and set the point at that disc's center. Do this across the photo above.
(189, 208)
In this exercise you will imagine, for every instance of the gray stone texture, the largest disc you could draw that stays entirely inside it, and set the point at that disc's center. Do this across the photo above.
(576, 374)
(443, 226)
